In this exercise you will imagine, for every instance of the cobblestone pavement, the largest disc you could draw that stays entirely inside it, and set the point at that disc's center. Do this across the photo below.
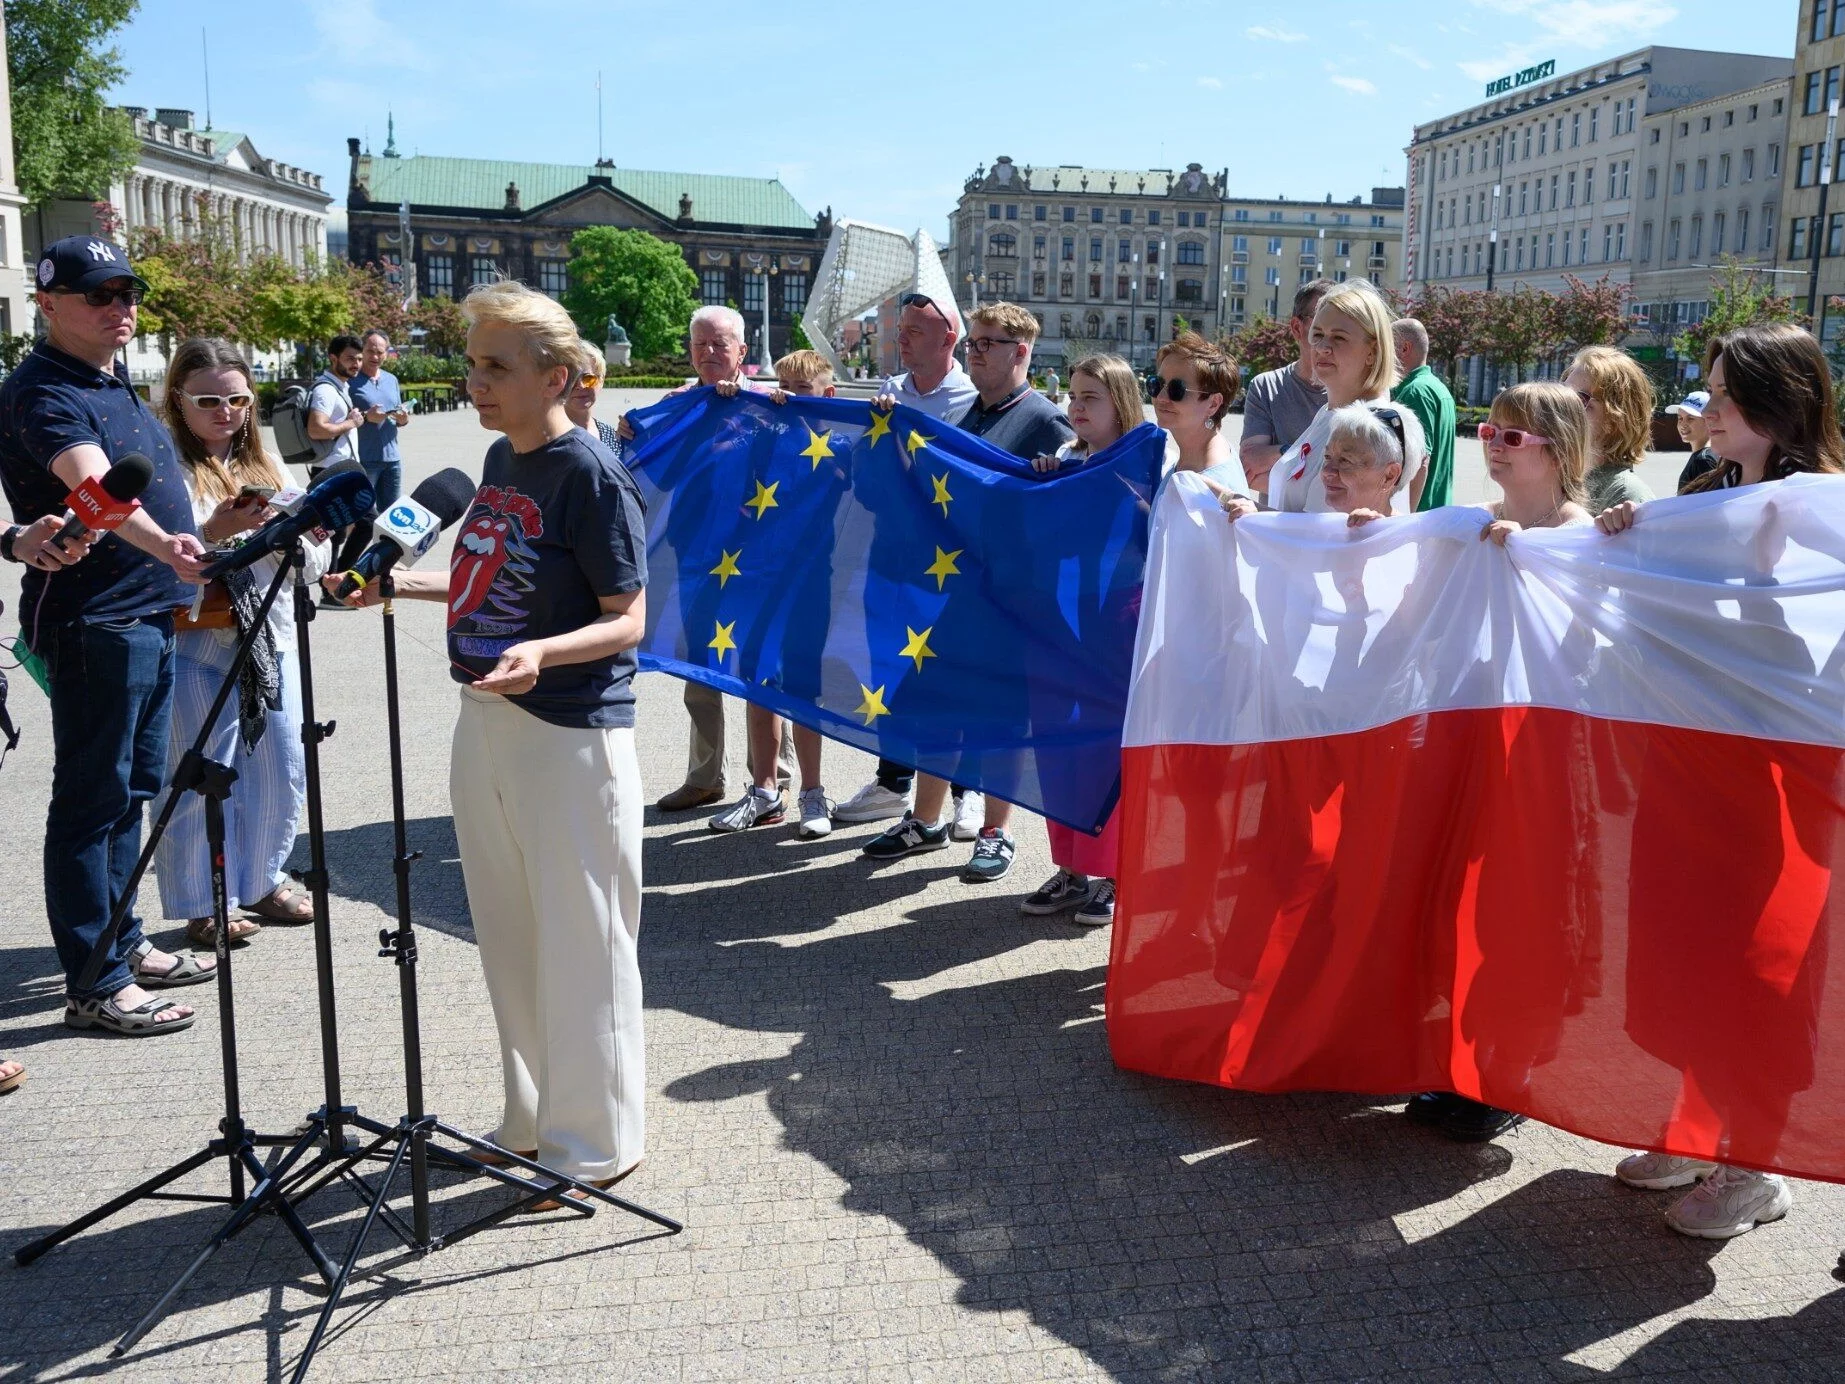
(883, 1105)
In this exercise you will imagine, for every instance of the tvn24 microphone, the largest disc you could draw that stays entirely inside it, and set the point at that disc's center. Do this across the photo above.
(409, 528)
(103, 502)
(339, 498)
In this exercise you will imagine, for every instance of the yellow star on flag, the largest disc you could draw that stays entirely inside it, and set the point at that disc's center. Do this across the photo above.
(764, 498)
(818, 448)
(722, 641)
(943, 567)
(871, 705)
(880, 427)
(942, 497)
(727, 568)
(917, 442)
(918, 647)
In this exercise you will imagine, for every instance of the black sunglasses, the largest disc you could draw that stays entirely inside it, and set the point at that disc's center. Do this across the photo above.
(101, 297)
(921, 300)
(1174, 390)
(1395, 422)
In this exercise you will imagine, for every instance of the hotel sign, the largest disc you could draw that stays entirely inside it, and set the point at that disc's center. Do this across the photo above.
(1522, 78)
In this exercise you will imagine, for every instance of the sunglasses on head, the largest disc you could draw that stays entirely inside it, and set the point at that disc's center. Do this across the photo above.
(1511, 437)
(211, 403)
(921, 300)
(101, 297)
(1394, 421)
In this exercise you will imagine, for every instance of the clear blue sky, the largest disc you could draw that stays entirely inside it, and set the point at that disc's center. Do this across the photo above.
(882, 120)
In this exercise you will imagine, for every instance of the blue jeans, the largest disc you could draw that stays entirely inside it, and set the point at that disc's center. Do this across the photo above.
(111, 700)
(387, 479)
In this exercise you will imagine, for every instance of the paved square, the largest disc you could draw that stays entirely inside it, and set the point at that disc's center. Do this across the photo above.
(883, 1105)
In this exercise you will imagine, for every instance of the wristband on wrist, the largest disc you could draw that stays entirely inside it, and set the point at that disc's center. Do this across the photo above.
(7, 540)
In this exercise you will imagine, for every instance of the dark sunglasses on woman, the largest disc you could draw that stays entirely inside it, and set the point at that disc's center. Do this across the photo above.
(1174, 390)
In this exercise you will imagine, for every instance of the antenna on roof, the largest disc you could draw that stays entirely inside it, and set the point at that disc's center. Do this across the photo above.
(205, 49)
(598, 118)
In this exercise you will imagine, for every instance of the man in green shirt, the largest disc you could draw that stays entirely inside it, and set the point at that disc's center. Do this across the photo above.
(1421, 391)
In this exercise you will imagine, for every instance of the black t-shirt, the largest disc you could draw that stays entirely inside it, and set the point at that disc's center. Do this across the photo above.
(1700, 461)
(54, 402)
(1025, 423)
(550, 533)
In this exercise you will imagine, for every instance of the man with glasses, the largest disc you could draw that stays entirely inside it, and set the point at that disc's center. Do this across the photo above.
(1014, 417)
(104, 627)
(931, 382)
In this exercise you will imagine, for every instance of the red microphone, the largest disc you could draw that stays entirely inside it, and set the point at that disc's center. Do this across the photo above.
(103, 502)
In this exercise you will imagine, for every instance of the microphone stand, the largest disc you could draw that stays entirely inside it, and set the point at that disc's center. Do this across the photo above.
(236, 1144)
(411, 1134)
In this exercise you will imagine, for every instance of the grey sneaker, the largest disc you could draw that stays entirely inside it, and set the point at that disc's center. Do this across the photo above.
(1098, 909)
(992, 859)
(1058, 894)
(1655, 1172)
(754, 809)
(905, 837)
(872, 803)
(816, 812)
(1730, 1202)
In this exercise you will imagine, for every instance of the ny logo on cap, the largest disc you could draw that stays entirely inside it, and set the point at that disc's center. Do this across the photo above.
(100, 251)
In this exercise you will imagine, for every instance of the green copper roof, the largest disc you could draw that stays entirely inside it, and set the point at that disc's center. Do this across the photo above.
(425, 180)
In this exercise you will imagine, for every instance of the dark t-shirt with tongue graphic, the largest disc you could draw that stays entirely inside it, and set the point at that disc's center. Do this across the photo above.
(550, 533)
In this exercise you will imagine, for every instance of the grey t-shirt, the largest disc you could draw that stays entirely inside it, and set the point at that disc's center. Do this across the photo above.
(1279, 404)
(1610, 485)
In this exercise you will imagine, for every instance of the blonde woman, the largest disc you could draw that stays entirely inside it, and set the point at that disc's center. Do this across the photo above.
(210, 406)
(1354, 360)
(1104, 407)
(581, 405)
(546, 603)
(1618, 397)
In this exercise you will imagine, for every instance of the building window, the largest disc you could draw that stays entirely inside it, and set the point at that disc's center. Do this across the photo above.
(712, 288)
(1627, 169)
(1004, 243)
(1774, 160)
(1652, 182)
(1646, 241)
(1608, 240)
(1240, 244)
(1550, 248)
(1095, 215)
(1803, 176)
(753, 296)
(1566, 249)
(1069, 213)
(439, 276)
(1191, 252)
(1095, 249)
(1274, 245)
(1239, 273)
(1595, 115)
(483, 269)
(1124, 252)
(1697, 236)
(1151, 290)
(1575, 128)
(794, 294)
(1768, 227)
(1039, 213)
(1729, 119)
(1678, 178)
(1582, 246)
(1127, 216)
(1153, 217)
(1066, 286)
(1835, 230)
(1012, 211)
(1095, 285)
(1797, 240)
(1242, 214)
(1121, 286)
(1652, 135)
(1037, 247)
(1672, 241)
(1378, 220)
(551, 277)
(1192, 290)
(1276, 216)
(1272, 276)
(1742, 230)
(992, 211)
(1703, 178)
(1069, 247)
(1569, 190)
(1001, 284)
(1716, 234)
(1037, 285)
(1153, 252)
(1343, 249)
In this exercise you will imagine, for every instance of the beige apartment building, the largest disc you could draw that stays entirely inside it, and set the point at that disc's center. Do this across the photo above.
(1819, 56)
(1547, 175)
(1112, 259)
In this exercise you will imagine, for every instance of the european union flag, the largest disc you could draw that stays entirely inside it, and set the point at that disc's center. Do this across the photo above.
(902, 586)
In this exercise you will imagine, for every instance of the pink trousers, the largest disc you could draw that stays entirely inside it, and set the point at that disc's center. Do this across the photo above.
(1083, 854)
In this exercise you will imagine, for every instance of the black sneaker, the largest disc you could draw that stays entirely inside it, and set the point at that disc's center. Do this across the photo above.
(1058, 894)
(1470, 1122)
(1098, 910)
(906, 837)
(992, 860)
(1431, 1107)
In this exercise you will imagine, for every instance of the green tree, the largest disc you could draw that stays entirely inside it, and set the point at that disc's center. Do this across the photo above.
(66, 141)
(195, 282)
(376, 302)
(445, 330)
(286, 305)
(1739, 298)
(639, 279)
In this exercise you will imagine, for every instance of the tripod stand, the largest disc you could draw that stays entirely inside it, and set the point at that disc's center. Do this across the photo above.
(236, 1144)
(409, 1139)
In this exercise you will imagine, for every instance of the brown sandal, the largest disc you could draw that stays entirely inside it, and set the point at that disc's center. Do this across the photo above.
(203, 932)
(572, 1194)
(283, 905)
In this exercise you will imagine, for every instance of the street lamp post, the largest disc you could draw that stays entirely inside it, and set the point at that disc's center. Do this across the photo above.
(1819, 221)
(1492, 241)
(767, 267)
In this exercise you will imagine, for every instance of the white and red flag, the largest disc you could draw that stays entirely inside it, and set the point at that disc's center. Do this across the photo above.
(1552, 825)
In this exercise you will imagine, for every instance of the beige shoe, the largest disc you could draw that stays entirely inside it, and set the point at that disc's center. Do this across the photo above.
(686, 797)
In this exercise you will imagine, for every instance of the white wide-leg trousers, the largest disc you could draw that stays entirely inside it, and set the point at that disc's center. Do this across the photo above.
(549, 823)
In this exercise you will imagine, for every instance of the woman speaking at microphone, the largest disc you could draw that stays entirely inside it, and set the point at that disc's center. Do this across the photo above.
(546, 605)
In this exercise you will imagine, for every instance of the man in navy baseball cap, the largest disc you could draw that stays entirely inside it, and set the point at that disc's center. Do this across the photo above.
(85, 264)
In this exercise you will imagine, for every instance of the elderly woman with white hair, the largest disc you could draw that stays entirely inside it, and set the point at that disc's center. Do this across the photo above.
(546, 604)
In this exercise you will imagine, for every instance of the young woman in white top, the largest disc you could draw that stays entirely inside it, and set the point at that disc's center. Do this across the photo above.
(210, 406)
(1354, 361)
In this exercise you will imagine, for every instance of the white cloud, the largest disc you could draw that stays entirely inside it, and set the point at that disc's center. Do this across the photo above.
(1210, 84)
(1410, 55)
(1274, 35)
(1593, 24)
(1355, 84)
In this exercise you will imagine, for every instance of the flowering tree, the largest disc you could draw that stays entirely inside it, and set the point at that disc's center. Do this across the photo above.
(1590, 314)
(445, 330)
(1453, 318)
(1517, 328)
(1739, 298)
(1262, 344)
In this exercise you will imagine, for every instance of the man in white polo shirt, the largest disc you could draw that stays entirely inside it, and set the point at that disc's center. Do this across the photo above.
(932, 382)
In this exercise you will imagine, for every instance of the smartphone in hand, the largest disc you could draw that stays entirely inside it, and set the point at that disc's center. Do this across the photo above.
(255, 495)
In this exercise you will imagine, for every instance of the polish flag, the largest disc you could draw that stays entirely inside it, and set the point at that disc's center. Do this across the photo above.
(1551, 825)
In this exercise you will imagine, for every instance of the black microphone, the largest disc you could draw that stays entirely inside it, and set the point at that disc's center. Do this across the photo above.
(409, 528)
(340, 497)
(102, 502)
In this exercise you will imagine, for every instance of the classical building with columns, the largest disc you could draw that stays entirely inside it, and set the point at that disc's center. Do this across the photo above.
(181, 173)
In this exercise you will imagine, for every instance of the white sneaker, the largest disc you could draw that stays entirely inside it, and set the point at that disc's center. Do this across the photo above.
(872, 803)
(1657, 1171)
(970, 816)
(1730, 1202)
(816, 812)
